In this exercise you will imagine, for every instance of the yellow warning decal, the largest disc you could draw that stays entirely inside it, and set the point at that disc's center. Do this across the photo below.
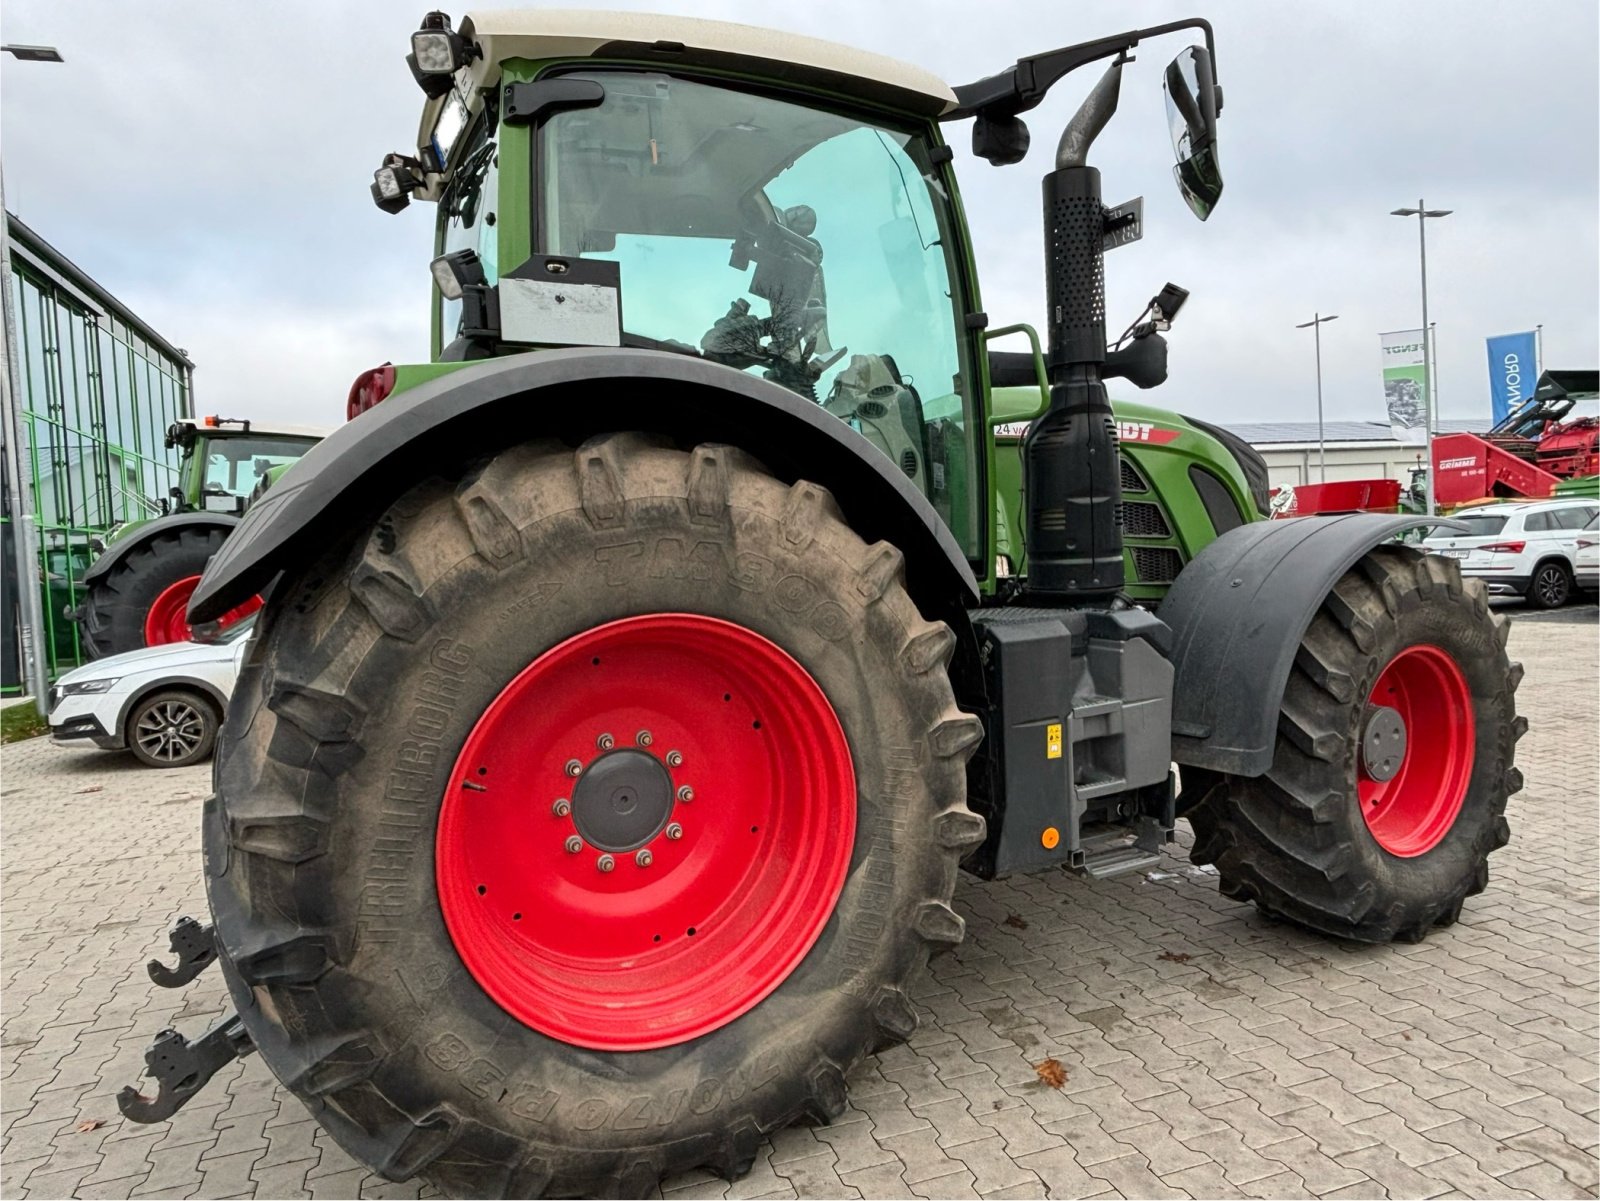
(1052, 741)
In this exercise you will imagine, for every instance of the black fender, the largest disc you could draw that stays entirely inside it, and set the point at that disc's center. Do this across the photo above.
(122, 547)
(363, 466)
(1238, 612)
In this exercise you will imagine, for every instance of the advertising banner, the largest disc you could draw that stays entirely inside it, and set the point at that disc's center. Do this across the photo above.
(1513, 373)
(1405, 385)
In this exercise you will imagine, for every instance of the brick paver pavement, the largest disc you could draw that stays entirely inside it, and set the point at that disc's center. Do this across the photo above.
(1208, 1052)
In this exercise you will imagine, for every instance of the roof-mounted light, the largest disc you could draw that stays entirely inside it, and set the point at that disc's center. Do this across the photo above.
(437, 53)
(395, 180)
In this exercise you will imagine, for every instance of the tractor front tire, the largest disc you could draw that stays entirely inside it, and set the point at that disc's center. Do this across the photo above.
(1393, 765)
(140, 601)
(587, 819)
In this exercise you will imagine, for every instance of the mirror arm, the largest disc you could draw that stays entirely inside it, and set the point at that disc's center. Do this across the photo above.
(1021, 87)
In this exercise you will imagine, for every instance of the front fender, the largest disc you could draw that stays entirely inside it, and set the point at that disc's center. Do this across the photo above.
(365, 465)
(121, 548)
(1238, 613)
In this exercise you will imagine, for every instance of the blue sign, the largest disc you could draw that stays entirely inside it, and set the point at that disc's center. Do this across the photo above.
(1513, 372)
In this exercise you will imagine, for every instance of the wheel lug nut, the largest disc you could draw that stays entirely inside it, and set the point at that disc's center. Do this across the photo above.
(644, 858)
(674, 831)
(562, 807)
(644, 738)
(574, 768)
(674, 758)
(605, 742)
(686, 793)
(574, 844)
(605, 863)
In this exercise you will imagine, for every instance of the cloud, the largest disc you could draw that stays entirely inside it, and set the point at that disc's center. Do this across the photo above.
(209, 163)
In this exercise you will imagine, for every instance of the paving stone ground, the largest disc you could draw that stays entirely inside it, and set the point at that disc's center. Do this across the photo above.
(1208, 1052)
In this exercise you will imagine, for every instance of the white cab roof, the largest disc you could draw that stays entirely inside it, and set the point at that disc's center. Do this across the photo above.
(544, 33)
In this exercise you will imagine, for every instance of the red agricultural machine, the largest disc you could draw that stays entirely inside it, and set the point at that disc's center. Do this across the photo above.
(1530, 452)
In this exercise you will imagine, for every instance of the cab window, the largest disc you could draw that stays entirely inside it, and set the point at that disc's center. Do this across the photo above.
(805, 246)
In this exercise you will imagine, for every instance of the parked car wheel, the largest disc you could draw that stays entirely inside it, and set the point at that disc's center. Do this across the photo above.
(1551, 586)
(172, 729)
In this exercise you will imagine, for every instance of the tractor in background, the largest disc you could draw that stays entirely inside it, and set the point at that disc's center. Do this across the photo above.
(634, 684)
(136, 591)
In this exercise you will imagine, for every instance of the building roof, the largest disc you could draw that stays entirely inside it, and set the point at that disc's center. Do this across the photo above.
(27, 245)
(546, 33)
(1266, 433)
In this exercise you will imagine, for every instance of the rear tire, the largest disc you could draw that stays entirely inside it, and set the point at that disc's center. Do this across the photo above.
(1551, 586)
(368, 677)
(1312, 840)
(119, 602)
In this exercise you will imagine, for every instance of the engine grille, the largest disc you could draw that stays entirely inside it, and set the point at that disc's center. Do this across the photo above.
(1142, 519)
(1132, 481)
(1156, 564)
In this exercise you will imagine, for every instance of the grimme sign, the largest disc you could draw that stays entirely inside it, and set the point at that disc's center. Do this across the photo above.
(1512, 371)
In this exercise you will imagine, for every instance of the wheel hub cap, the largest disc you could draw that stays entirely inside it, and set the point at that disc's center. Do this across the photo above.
(646, 832)
(1383, 746)
(622, 800)
(1417, 750)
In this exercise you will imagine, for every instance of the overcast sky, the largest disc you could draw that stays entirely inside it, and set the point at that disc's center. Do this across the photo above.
(208, 162)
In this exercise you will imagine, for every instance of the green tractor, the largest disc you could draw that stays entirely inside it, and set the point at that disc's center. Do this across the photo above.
(639, 675)
(136, 592)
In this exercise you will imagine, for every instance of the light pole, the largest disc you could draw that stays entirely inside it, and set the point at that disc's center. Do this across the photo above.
(1315, 325)
(24, 529)
(1422, 212)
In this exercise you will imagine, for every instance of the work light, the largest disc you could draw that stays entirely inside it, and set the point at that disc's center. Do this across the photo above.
(457, 270)
(437, 53)
(393, 182)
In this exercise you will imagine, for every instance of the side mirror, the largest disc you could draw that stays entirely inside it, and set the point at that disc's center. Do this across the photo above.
(1193, 101)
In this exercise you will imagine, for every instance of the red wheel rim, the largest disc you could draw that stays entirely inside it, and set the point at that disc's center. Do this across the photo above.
(168, 618)
(744, 862)
(1411, 812)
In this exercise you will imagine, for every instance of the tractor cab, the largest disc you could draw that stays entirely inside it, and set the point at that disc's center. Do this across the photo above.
(225, 458)
(709, 191)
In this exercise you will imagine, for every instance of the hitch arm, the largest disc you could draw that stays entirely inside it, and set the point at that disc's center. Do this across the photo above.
(182, 1068)
(196, 948)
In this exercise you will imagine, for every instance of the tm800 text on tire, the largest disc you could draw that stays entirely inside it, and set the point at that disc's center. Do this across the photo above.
(1393, 765)
(506, 798)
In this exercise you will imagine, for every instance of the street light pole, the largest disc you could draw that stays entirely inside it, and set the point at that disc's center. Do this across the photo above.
(1422, 212)
(24, 528)
(1315, 325)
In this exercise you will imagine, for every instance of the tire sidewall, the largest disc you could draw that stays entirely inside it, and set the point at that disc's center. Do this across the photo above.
(1453, 626)
(121, 600)
(401, 981)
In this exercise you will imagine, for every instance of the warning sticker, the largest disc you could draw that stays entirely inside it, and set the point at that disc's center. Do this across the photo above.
(1052, 741)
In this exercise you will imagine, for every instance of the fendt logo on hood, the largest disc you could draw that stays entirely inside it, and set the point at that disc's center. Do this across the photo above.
(1144, 431)
(1127, 431)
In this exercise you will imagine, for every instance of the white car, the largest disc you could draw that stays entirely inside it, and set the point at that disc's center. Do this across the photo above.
(163, 703)
(1586, 563)
(1526, 549)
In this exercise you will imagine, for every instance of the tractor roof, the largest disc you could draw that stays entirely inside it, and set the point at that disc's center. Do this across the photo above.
(690, 41)
(235, 427)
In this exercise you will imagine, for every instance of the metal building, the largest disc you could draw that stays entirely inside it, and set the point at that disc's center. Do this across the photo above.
(97, 389)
